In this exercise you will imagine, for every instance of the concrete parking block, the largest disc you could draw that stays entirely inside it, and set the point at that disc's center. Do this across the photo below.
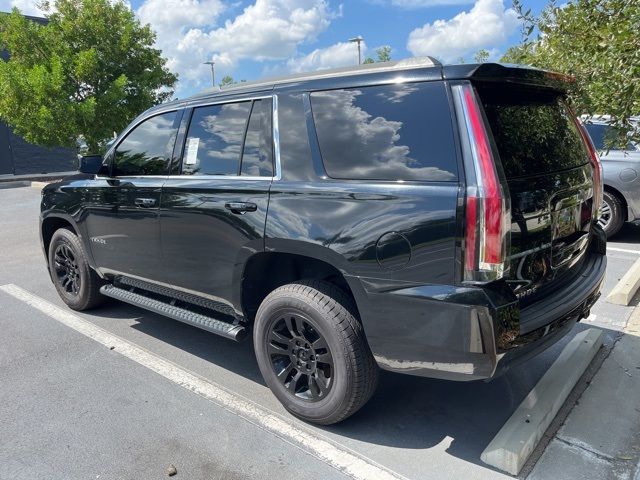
(627, 287)
(515, 441)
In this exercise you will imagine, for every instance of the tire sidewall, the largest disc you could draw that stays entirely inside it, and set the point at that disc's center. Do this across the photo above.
(616, 221)
(273, 309)
(66, 237)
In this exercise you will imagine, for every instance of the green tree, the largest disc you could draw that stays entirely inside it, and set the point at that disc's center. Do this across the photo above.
(369, 60)
(384, 53)
(85, 74)
(597, 42)
(481, 56)
(226, 81)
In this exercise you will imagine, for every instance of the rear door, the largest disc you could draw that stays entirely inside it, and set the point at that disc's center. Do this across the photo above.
(122, 208)
(213, 211)
(550, 180)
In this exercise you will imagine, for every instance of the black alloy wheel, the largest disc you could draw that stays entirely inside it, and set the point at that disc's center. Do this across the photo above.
(300, 357)
(76, 282)
(67, 269)
(312, 351)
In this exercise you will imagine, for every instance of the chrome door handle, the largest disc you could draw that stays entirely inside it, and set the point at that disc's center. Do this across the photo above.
(145, 202)
(241, 207)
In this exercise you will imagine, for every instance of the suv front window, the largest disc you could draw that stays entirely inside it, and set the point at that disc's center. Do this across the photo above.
(147, 149)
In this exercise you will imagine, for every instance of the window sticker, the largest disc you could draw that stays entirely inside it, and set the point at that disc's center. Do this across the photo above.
(192, 151)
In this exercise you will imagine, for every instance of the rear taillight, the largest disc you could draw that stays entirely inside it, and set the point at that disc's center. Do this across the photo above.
(487, 212)
(597, 169)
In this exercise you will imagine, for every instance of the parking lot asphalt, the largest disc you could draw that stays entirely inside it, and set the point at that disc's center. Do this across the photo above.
(72, 408)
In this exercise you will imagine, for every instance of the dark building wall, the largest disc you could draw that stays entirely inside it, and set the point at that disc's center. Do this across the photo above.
(19, 157)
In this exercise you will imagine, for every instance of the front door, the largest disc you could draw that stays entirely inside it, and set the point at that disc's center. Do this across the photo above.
(122, 208)
(213, 213)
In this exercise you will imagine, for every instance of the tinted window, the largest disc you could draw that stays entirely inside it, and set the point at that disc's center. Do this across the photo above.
(603, 136)
(393, 132)
(147, 149)
(534, 131)
(256, 155)
(214, 139)
(295, 152)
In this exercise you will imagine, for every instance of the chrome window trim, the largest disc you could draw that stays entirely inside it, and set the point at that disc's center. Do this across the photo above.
(212, 101)
(276, 138)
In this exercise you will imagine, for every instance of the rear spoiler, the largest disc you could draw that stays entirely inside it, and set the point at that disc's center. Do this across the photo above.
(510, 73)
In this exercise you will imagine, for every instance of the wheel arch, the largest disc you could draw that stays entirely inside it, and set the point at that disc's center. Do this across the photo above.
(263, 272)
(50, 224)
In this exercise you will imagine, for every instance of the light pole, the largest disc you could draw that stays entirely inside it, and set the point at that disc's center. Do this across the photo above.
(358, 40)
(213, 77)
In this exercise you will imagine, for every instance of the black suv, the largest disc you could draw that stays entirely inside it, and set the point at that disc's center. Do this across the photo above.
(426, 219)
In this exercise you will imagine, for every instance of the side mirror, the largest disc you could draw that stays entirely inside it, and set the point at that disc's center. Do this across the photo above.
(91, 164)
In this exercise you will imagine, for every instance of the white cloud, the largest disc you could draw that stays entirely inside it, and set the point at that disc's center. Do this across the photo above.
(339, 55)
(271, 29)
(427, 3)
(265, 30)
(26, 7)
(487, 25)
(179, 26)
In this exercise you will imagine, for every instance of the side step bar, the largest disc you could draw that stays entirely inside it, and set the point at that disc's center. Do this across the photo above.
(177, 294)
(227, 330)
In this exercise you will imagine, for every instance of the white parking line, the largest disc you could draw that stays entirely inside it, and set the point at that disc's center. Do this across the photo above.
(338, 456)
(624, 250)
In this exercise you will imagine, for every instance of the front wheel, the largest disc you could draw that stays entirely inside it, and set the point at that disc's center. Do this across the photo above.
(312, 352)
(76, 282)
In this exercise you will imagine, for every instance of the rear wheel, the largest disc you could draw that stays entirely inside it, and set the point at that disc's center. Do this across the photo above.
(612, 214)
(76, 282)
(312, 352)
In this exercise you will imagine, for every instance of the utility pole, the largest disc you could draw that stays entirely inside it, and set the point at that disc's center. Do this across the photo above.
(358, 40)
(213, 77)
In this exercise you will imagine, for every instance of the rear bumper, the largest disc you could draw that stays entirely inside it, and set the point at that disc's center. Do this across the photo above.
(472, 333)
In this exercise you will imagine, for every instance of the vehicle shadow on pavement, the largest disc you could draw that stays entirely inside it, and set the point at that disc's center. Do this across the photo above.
(406, 412)
(629, 233)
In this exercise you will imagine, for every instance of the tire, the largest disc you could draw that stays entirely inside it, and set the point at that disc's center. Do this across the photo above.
(342, 373)
(76, 282)
(612, 217)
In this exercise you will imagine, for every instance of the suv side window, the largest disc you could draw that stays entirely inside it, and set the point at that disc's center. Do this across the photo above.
(214, 139)
(147, 149)
(389, 132)
(230, 139)
(258, 149)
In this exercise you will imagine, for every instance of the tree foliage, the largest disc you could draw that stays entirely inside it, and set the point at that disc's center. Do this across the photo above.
(226, 81)
(481, 56)
(85, 74)
(596, 41)
(383, 54)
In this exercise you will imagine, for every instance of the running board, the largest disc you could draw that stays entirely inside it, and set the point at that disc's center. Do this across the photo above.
(224, 329)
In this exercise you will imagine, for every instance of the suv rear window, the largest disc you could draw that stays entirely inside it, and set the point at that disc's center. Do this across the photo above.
(533, 129)
(390, 132)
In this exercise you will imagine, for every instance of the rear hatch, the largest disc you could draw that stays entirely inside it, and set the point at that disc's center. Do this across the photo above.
(550, 182)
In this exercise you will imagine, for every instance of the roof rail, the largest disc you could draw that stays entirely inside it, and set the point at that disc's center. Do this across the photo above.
(405, 64)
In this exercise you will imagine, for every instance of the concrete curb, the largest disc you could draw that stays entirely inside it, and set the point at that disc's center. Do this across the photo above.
(518, 437)
(38, 177)
(627, 287)
(15, 184)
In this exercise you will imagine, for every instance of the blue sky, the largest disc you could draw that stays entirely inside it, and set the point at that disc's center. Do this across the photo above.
(253, 39)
